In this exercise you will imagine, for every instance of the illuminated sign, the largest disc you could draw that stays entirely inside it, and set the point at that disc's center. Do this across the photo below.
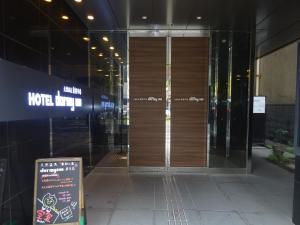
(47, 100)
(29, 94)
(106, 104)
(259, 104)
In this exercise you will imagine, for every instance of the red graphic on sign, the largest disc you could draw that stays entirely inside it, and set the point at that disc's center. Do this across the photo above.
(43, 216)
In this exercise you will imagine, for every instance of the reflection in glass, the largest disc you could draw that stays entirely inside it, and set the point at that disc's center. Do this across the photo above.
(229, 99)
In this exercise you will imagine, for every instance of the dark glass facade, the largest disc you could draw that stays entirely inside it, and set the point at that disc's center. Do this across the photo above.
(231, 73)
(34, 35)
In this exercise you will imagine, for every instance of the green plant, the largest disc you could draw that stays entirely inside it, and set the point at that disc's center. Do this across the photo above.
(278, 159)
(291, 142)
(281, 136)
(269, 146)
(278, 150)
(290, 149)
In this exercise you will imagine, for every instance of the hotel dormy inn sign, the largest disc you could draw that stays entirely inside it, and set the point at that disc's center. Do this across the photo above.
(29, 94)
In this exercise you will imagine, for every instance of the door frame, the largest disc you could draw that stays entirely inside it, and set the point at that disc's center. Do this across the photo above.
(169, 34)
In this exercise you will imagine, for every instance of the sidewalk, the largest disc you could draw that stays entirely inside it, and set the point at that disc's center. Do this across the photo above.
(121, 198)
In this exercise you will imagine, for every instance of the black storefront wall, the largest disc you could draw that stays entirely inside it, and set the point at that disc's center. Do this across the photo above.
(24, 130)
(28, 94)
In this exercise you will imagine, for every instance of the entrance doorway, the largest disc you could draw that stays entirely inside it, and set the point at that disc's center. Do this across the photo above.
(168, 102)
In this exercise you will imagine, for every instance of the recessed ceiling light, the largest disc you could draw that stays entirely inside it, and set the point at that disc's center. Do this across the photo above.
(111, 47)
(78, 1)
(144, 17)
(99, 70)
(117, 75)
(106, 75)
(117, 54)
(90, 17)
(86, 38)
(199, 17)
(93, 47)
(105, 39)
(48, 1)
(100, 54)
(64, 17)
(122, 62)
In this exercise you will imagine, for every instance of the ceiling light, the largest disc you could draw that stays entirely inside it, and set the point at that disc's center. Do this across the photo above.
(78, 1)
(100, 54)
(117, 75)
(99, 70)
(90, 17)
(105, 39)
(199, 17)
(122, 62)
(106, 75)
(144, 17)
(117, 54)
(48, 1)
(111, 47)
(64, 17)
(93, 47)
(86, 38)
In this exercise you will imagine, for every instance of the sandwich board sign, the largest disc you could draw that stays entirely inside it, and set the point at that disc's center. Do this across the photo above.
(58, 191)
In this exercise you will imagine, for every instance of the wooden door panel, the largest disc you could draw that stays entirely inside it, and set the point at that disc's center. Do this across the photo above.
(147, 118)
(189, 107)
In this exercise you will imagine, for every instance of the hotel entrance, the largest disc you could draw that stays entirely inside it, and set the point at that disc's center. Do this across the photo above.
(168, 102)
(187, 94)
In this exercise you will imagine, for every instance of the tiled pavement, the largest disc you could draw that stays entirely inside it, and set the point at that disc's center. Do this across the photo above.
(115, 197)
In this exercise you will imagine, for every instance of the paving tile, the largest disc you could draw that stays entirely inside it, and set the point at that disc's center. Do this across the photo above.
(98, 217)
(262, 198)
(193, 217)
(161, 217)
(266, 219)
(100, 200)
(221, 218)
(215, 203)
(160, 201)
(132, 217)
(135, 201)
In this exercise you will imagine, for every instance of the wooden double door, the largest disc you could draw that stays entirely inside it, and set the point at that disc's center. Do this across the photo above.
(149, 63)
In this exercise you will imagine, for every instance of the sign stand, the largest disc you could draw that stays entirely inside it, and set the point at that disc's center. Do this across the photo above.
(58, 192)
(259, 120)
